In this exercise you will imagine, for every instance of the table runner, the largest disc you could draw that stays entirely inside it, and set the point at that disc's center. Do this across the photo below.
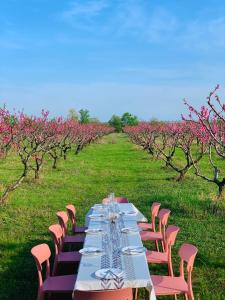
(124, 207)
(135, 266)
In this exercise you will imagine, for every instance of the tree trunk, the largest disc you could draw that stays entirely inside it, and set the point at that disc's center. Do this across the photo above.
(14, 185)
(221, 188)
(54, 166)
(181, 176)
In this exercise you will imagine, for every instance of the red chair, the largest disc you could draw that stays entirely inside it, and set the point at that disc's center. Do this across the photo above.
(155, 257)
(68, 239)
(154, 212)
(116, 199)
(71, 211)
(159, 235)
(61, 257)
(169, 285)
(121, 294)
(51, 284)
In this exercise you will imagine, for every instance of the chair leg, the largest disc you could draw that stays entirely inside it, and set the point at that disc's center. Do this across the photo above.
(135, 294)
(162, 244)
(170, 269)
(186, 296)
(157, 245)
(54, 270)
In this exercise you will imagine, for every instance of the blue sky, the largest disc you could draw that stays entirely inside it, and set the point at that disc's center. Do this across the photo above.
(111, 56)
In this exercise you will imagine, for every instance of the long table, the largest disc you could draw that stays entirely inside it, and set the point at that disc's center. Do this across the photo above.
(135, 266)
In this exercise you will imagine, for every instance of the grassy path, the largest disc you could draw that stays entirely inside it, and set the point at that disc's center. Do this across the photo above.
(113, 164)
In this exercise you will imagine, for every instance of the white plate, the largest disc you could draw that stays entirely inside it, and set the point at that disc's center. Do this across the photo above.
(96, 216)
(94, 230)
(130, 213)
(130, 230)
(90, 251)
(133, 250)
(98, 206)
(110, 273)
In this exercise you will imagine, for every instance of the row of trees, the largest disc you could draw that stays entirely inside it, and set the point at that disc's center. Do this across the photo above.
(35, 139)
(201, 134)
(126, 119)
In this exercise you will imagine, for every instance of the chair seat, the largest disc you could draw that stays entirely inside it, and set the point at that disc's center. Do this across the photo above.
(70, 257)
(151, 236)
(70, 239)
(145, 226)
(59, 284)
(156, 257)
(79, 229)
(167, 285)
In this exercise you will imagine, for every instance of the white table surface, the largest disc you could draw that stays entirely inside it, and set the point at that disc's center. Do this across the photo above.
(135, 266)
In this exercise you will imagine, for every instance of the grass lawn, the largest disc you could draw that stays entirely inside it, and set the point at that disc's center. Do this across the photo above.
(112, 164)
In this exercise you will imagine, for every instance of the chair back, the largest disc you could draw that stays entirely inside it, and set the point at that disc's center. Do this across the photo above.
(154, 212)
(57, 235)
(121, 294)
(187, 254)
(170, 236)
(163, 220)
(116, 199)
(71, 211)
(41, 254)
(63, 221)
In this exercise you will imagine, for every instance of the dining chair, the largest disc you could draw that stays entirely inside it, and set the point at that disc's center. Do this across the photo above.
(68, 239)
(120, 294)
(163, 217)
(60, 256)
(71, 211)
(169, 285)
(155, 257)
(154, 212)
(51, 284)
(116, 199)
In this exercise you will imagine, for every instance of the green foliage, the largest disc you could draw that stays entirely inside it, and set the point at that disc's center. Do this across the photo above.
(113, 164)
(129, 119)
(116, 122)
(84, 116)
(73, 114)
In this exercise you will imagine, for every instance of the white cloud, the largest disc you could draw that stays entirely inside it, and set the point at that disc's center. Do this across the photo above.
(88, 9)
(204, 35)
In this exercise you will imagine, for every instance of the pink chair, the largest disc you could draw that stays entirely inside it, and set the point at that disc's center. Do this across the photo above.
(121, 294)
(169, 285)
(71, 211)
(154, 212)
(155, 257)
(68, 239)
(159, 235)
(116, 199)
(51, 284)
(61, 257)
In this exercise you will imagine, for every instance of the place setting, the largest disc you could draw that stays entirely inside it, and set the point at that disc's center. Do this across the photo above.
(133, 250)
(91, 251)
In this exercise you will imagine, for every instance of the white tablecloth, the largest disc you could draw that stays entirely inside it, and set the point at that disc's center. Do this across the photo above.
(135, 266)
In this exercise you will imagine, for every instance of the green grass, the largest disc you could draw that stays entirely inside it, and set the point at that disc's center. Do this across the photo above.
(112, 164)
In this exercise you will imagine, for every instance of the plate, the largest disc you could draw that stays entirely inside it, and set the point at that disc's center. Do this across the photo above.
(94, 230)
(133, 250)
(91, 251)
(95, 216)
(109, 273)
(130, 230)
